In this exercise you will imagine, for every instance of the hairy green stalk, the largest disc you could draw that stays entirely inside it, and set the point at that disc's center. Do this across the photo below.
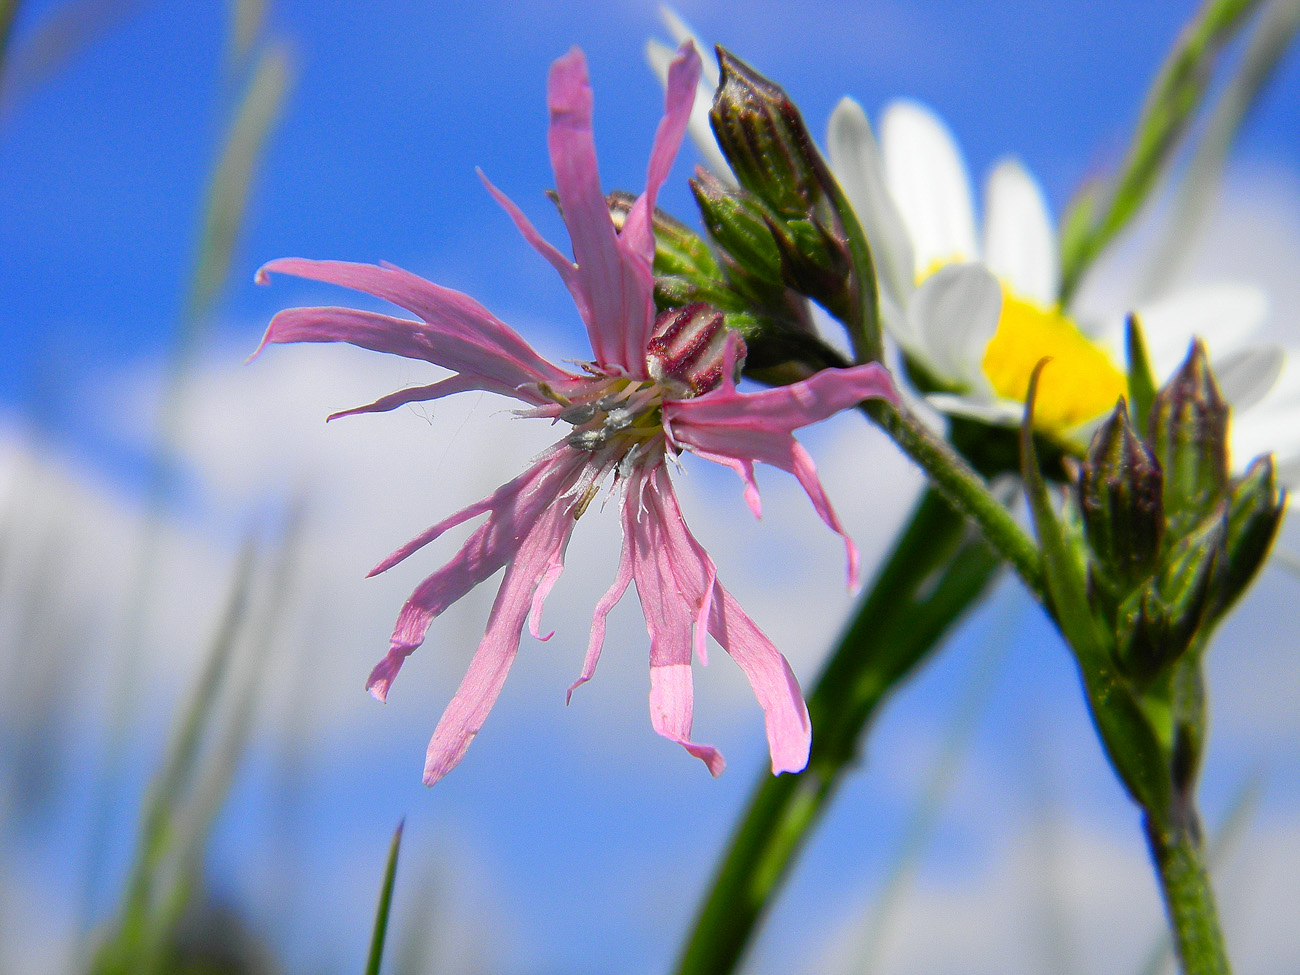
(1179, 857)
(937, 569)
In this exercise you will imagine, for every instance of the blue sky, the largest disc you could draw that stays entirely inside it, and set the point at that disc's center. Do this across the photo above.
(571, 840)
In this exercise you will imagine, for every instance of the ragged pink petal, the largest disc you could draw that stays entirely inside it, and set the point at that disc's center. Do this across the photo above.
(619, 301)
(541, 546)
(567, 269)
(637, 241)
(675, 585)
(607, 602)
(422, 394)
(512, 512)
(671, 707)
(786, 408)
(789, 732)
(457, 332)
(736, 429)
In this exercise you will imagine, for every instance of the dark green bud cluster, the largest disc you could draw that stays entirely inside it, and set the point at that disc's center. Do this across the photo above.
(1158, 543)
(1172, 538)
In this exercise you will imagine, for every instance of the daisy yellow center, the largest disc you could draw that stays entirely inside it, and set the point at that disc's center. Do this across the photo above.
(1079, 384)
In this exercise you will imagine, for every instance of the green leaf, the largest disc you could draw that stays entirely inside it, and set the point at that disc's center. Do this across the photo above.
(1141, 378)
(228, 193)
(380, 931)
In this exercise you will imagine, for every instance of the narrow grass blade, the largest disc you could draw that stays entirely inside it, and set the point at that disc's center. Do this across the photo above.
(1271, 38)
(194, 821)
(8, 8)
(385, 904)
(247, 19)
(228, 193)
(62, 37)
(972, 704)
(135, 928)
(1172, 104)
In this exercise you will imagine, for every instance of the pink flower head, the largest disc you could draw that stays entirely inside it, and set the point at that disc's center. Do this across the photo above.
(654, 388)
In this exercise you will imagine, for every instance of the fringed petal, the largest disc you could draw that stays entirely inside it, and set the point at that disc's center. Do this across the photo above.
(541, 547)
(512, 511)
(457, 332)
(737, 429)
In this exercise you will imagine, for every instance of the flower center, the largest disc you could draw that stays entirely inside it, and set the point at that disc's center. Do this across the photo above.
(618, 414)
(1081, 383)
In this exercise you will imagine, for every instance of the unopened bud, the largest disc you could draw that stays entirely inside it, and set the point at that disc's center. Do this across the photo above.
(822, 251)
(688, 349)
(1120, 487)
(816, 262)
(679, 251)
(765, 140)
(1255, 508)
(1189, 434)
(741, 224)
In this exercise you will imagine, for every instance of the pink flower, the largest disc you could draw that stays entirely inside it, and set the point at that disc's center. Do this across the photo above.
(655, 388)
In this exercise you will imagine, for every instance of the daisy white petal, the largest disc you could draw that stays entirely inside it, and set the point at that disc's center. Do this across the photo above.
(1019, 242)
(1246, 376)
(955, 312)
(930, 185)
(856, 161)
(1223, 316)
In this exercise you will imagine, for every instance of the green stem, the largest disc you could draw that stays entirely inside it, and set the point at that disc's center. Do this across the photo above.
(1179, 858)
(937, 570)
(963, 488)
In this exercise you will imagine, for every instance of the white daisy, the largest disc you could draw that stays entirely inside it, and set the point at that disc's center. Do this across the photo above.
(977, 315)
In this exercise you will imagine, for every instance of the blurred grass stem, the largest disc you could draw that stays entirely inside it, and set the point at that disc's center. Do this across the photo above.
(224, 212)
(1101, 212)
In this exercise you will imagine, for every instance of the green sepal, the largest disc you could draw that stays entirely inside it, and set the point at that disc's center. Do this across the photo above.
(741, 224)
(1158, 624)
(815, 261)
(1120, 497)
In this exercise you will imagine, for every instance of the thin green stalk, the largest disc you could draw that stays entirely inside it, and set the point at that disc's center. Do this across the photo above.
(1240, 813)
(1176, 849)
(938, 568)
(963, 488)
(1270, 39)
